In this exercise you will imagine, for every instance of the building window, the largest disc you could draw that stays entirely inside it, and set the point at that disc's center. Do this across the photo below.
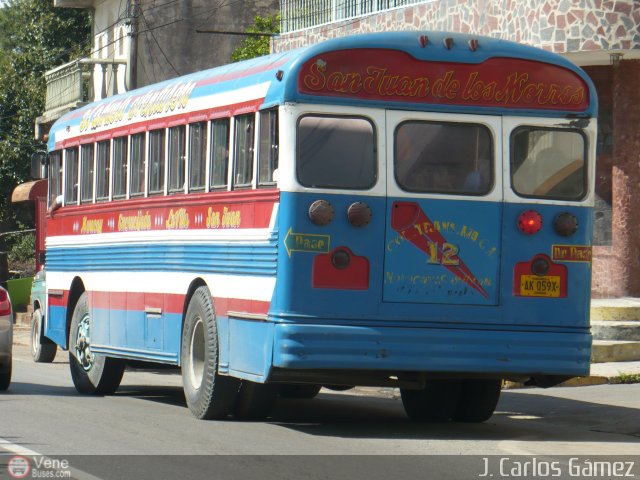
(156, 162)
(219, 153)
(177, 137)
(268, 153)
(71, 176)
(243, 153)
(86, 187)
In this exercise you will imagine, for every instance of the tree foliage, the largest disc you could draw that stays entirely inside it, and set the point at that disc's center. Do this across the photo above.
(256, 46)
(35, 38)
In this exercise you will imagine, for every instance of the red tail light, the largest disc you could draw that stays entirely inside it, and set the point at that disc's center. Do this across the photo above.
(565, 224)
(530, 222)
(5, 303)
(359, 214)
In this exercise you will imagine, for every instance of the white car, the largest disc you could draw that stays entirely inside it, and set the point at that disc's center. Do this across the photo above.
(6, 339)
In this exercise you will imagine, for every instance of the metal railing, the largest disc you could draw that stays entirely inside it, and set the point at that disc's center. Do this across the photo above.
(74, 83)
(301, 14)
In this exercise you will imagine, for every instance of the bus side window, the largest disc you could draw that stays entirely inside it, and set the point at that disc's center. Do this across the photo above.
(156, 162)
(120, 163)
(71, 176)
(138, 161)
(177, 145)
(197, 156)
(103, 169)
(86, 173)
(55, 177)
(243, 150)
(268, 149)
(219, 154)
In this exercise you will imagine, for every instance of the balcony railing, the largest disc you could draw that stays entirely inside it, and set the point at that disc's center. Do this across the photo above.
(300, 14)
(82, 81)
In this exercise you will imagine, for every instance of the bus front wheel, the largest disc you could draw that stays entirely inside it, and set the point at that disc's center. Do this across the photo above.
(91, 374)
(43, 350)
(209, 394)
(478, 400)
(436, 402)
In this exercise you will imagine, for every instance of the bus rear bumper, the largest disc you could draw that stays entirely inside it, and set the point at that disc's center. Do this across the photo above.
(431, 350)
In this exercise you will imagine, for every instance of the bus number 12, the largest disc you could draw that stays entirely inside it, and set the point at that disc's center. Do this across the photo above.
(445, 254)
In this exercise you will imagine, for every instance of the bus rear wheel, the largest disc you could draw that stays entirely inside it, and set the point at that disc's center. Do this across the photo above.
(478, 400)
(5, 376)
(209, 394)
(255, 400)
(43, 350)
(91, 374)
(436, 402)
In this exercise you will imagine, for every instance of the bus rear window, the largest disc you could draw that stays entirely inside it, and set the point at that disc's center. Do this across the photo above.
(548, 163)
(336, 152)
(438, 157)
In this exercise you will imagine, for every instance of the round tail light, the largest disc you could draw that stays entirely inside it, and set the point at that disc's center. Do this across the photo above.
(529, 222)
(321, 212)
(565, 224)
(359, 214)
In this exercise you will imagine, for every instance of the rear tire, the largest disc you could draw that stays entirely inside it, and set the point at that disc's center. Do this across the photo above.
(255, 400)
(209, 394)
(43, 350)
(91, 374)
(5, 377)
(301, 391)
(437, 402)
(478, 400)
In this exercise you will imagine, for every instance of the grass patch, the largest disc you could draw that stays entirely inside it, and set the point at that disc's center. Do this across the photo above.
(629, 378)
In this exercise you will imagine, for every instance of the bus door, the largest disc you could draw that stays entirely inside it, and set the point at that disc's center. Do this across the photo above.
(444, 208)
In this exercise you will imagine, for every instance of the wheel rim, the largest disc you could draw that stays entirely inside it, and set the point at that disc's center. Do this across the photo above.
(83, 344)
(197, 354)
(35, 335)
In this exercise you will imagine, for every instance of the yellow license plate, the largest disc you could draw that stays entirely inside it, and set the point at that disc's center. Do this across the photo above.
(535, 286)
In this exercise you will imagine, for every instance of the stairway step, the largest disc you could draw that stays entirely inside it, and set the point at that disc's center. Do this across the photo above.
(615, 309)
(615, 351)
(23, 318)
(615, 330)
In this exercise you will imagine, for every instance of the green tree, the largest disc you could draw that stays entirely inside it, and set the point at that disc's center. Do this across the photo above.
(35, 38)
(257, 45)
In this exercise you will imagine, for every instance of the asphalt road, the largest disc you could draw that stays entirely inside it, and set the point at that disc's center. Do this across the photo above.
(42, 414)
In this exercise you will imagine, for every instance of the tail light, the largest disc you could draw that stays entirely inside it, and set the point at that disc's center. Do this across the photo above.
(530, 222)
(340, 259)
(321, 212)
(565, 224)
(359, 214)
(540, 266)
(5, 303)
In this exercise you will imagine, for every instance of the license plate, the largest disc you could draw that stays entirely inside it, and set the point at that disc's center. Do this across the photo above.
(535, 286)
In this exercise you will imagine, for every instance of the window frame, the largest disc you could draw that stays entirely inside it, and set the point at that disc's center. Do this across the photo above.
(142, 180)
(212, 152)
(585, 159)
(124, 166)
(202, 168)
(182, 158)
(236, 148)
(272, 145)
(376, 153)
(105, 197)
(66, 170)
(162, 162)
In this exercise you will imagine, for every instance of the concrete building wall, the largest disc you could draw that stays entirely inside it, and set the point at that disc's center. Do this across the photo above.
(169, 44)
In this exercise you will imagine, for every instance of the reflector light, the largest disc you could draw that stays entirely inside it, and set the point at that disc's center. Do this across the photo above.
(473, 44)
(530, 222)
(424, 40)
(448, 43)
(5, 303)
(565, 224)
(321, 212)
(359, 214)
(540, 266)
(341, 259)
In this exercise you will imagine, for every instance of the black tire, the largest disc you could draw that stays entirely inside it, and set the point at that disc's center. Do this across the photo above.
(209, 394)
(301, 391)
(255, 400)
(43, 350)
(437, 402)
(91, 374)
(478, 400)
(339, 388)
(5, 377)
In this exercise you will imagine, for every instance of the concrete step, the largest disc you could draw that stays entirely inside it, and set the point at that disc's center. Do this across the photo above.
(615, 330)
(615, 351)
(615, 309)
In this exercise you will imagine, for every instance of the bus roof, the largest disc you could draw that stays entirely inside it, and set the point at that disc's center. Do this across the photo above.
(413, 70)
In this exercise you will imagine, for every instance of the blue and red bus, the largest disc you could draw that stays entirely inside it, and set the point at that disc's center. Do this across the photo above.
(396, 209)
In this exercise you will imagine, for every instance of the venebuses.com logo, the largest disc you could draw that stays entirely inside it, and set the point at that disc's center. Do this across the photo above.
(18, 467)
(38, 467)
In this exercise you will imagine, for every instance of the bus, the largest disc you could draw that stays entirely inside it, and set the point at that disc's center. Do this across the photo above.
(400, 209)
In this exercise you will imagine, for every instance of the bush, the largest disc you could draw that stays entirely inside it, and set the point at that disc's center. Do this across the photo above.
(22, 254)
